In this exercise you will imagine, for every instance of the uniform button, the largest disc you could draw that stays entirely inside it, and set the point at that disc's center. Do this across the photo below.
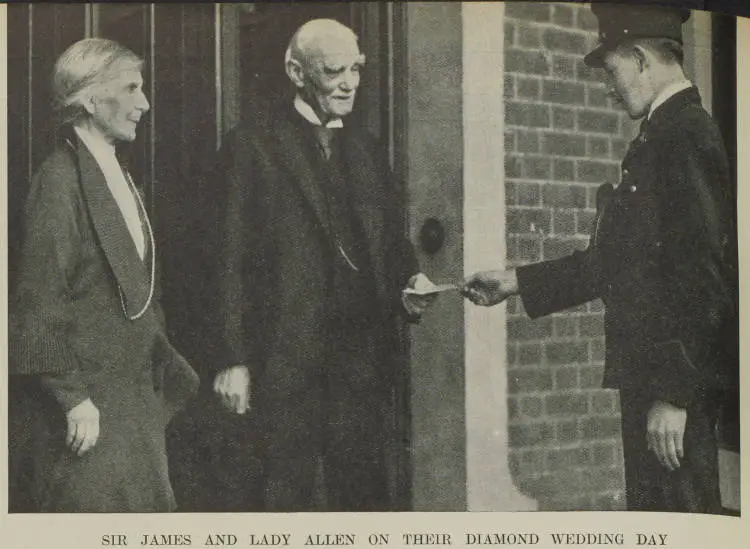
(625, 171)
(633, 188)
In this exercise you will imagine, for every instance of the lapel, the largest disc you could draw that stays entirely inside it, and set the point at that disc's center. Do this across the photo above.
(114, 237)
(293, 145)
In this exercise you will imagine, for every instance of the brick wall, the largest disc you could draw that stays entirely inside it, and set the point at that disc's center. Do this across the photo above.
(563, 139)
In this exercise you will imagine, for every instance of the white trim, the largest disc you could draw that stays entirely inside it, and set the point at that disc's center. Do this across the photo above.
(489, 483)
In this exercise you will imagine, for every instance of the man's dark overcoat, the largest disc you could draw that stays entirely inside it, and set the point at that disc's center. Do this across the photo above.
(271, 290)
(77, 271)
(663, 260)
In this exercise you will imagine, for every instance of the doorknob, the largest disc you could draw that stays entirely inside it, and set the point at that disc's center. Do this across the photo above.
(431, 236)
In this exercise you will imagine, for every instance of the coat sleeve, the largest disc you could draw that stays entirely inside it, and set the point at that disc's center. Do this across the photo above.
(694, 285)
(238, 232)
(40, 303)
(552, 286)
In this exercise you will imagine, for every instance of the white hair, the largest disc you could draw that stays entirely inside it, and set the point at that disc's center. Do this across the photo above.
(310, 33)
(83, 67)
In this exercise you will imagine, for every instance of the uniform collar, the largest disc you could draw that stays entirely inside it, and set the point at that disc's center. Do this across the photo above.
(671, 107)
(308, 114)
(668, 92)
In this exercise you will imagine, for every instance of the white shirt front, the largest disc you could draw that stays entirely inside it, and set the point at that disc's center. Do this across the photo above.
(308, 114)
(668, 92)
(104, 154)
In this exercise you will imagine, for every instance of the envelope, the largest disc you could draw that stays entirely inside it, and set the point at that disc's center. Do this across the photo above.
(431, 288)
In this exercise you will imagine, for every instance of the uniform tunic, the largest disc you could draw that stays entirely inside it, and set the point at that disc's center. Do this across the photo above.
(661, 259)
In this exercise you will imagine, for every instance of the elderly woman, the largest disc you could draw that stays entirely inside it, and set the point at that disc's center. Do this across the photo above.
(93, 378)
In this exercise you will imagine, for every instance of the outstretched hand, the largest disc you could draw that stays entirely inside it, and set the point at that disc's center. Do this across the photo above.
(487, 288)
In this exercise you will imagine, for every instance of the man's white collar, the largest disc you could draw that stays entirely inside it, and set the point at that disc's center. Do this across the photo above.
(308, 114)
(668, 92)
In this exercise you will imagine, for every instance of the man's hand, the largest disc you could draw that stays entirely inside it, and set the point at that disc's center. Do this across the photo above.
(665, 433)
(83, 427)
(233, 387)
(489, 288)
(416, 304)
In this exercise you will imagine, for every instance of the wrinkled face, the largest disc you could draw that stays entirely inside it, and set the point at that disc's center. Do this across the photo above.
(118, 106)
(625, 80)
(332, 75)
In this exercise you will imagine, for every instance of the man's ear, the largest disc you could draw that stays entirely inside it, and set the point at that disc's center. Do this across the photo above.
(640, 54)
(295, 72)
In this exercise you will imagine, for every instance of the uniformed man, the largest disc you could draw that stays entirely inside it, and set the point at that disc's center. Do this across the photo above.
(662, 259)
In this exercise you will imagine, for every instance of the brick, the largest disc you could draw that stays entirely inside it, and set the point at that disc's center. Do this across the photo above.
(529, 354)
(529, 36)
(532, 406)
(566, 377)
(566, 405)
(513, 166)
(600, 122)
(532, 461)
(514, 305)
(509, 87)
(520, 220)
(564, 144)
(528, 249)
(564, 326)
(592, 326)
(567, 41)
(568, 352)
(514, 409)
(567, 432)
(563, 118)
(510, 140)
(510, 33)
(613, 172)
(598, 147)
(563, 67)
(529, 194)
(537, 167)
(603, 402)
(510, 191)
(527, 115)
(524, 329)
(528, 380)
(585, 73)
(563, 222)
(562, 15)
(528, 142)
(529, 88)
(585, 222)
(565, 483)
(531, 11)
(590, 377)
(563, 170)
(601, 479)
(586, 20)
(619, 148)
(597, 351)
(529, 434)
(566, 458)
(596, 306)
(597, 97)
(555, 248)
(526, 62)
(603, 454)
(596, 427)
(593, 171)
(564, 196)
(569, 93)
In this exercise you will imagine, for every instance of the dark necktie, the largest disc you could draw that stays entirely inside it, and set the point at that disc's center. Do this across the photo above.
(324, 136)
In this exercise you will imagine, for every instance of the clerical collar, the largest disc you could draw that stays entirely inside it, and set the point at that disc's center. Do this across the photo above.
(308, 114)
(668, 92)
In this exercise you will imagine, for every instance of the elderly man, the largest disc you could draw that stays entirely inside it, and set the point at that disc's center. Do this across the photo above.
(310, 267)
(663, 259)
(93, 377)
